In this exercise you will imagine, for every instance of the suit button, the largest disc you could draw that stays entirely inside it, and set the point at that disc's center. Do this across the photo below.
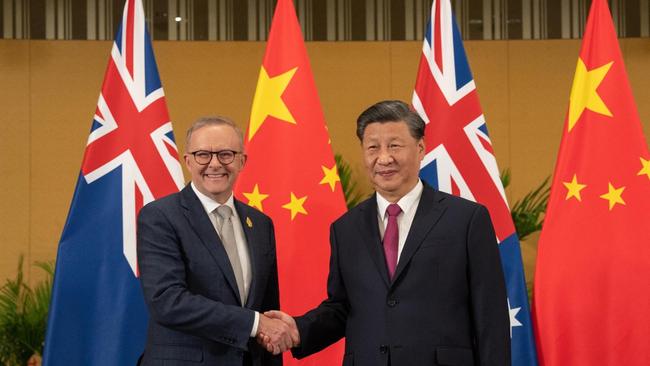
(392, 303)
(383, 349)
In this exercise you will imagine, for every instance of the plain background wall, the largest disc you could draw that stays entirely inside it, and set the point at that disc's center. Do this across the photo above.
(49, 90)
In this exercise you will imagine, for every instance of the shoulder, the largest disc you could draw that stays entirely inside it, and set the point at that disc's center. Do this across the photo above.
(353, 214)
(166, 201)
(455, 201)
(457, 210)
(164, 204)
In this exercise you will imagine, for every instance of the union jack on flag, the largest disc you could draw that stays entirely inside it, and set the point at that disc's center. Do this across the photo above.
(460, 159)
(97, 313)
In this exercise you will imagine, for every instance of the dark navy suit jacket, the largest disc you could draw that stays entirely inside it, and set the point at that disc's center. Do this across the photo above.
(196, 315)
(446, 304)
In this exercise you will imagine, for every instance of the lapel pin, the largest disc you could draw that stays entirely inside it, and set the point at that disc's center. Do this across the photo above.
(249, 222)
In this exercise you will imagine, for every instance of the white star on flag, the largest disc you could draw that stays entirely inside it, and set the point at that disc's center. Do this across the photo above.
(513, 317)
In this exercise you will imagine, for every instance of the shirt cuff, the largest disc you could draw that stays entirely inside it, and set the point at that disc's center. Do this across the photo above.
(255, 324)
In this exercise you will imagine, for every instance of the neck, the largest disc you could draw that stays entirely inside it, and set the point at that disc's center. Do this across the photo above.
(394, 197)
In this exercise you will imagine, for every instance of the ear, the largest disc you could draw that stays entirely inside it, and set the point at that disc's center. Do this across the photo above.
(244, 158)
(186, 158)
(421, 149)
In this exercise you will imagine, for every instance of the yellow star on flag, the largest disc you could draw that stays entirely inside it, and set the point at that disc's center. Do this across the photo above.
(296, 206)
(646, 168)
(613, 196)
(584, 94)
(331, 176)
(255, 198)
(268, 100)
(574, 188)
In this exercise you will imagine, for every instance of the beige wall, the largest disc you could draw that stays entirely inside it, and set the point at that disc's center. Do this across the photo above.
(48, 92)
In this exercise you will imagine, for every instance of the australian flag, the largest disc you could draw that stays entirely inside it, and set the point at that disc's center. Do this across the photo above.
(97, 313)
(460, 159)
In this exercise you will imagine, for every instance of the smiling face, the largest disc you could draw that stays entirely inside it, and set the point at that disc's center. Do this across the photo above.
(392, 158)
(215, 180)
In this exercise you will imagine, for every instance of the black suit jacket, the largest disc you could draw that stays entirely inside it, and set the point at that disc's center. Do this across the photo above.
(196, 315)
(446, 304)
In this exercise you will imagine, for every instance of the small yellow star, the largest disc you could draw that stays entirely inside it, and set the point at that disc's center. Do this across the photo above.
(646, 167)
(296, 206)
(255, 198)
(574, 188)
(268, 100)
(613, 196)
(584, 94)
(331, 176)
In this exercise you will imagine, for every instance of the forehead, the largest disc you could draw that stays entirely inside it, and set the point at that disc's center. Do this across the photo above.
(221, 136)
(386, 130)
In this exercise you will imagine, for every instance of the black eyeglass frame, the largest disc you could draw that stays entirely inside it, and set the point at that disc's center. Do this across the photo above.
(217, 154)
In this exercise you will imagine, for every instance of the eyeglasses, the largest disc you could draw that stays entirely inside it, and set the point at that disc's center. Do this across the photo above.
(204, 157)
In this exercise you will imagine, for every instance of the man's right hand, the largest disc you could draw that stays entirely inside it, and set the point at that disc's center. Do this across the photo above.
(277, 332)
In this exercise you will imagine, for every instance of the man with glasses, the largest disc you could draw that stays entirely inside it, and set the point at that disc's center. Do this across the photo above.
(207, 262)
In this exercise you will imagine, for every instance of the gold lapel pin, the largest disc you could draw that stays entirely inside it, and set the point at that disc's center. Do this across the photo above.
(249, 222)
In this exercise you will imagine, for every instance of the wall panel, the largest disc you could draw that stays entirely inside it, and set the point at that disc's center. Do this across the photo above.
(49, 89)
(14, 156)
(66, 79)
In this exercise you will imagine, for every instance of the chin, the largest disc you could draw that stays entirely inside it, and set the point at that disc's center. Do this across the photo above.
(388, 190)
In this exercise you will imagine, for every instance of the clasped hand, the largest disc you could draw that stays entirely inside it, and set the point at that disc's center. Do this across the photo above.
(277, 332)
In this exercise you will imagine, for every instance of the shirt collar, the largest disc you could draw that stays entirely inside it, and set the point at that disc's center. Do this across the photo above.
(405, 203)
(209, 205)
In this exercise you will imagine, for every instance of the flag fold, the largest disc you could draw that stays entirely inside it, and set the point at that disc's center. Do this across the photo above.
(97, 313)
(593, 264)
(460, 159)
(290, 174)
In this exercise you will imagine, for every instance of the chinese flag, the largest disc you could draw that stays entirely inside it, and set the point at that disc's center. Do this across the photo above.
(592, 283)
(291, 174)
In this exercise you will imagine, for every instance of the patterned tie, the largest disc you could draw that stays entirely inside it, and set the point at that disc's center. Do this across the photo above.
(391, 238)
(227, 234)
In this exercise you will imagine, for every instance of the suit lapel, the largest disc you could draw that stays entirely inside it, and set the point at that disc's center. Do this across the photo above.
(369, 228)
(200, 222)
(254, 253)
(429, 211)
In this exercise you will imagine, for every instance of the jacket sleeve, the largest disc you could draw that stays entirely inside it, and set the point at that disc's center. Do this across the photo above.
(272, 300)
(488, 293)
(163, 278)
(325, 324)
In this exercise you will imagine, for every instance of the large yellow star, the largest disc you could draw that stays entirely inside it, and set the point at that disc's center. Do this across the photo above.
(268, 99)
(584, 94)
(645, 169)
(574, 188)
(296, 206)
(331, 176)
(255, 198)
(613, 195)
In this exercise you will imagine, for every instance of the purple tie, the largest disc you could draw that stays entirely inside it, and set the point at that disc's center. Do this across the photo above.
(391, 238)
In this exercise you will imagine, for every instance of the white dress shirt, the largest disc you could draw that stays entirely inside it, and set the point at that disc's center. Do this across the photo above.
(210, 205)
(409, 204)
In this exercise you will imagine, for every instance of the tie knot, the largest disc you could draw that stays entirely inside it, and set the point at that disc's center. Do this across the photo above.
(224, 212)
(393, 209)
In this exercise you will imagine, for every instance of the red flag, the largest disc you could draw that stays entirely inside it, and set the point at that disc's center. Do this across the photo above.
(291, 174)
(592, 283)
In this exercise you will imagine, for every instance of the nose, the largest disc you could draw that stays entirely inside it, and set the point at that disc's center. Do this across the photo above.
(384, 157)
(214, 162)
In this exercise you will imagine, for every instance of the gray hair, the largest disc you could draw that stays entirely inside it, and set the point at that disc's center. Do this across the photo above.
(391, 111)
(213, 121)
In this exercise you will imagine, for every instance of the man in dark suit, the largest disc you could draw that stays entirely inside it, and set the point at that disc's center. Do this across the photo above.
(415, 276)
(207, 262)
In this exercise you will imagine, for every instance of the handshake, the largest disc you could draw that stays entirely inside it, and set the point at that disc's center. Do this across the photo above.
(277, 332)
